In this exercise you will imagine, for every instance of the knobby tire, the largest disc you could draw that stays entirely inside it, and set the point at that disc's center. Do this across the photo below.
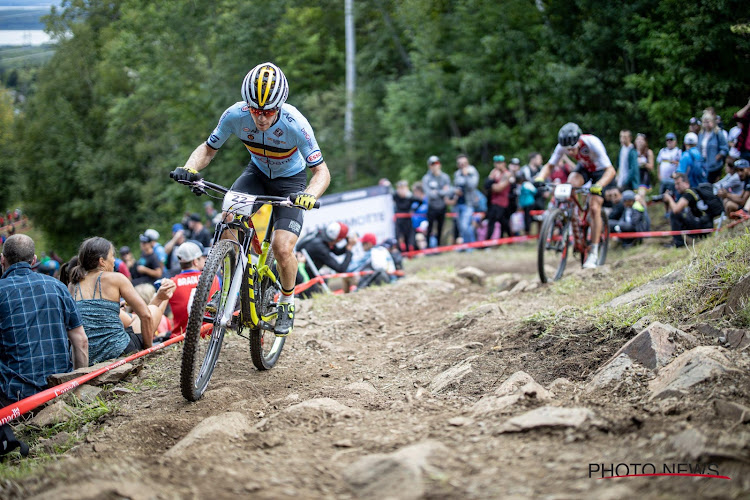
(555, 218)
(196, 370)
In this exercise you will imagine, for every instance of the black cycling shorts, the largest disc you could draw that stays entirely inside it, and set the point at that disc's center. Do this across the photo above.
(253, 181)
(595, 177)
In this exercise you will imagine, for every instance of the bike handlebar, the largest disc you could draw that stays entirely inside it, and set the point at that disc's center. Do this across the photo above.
(198, 187)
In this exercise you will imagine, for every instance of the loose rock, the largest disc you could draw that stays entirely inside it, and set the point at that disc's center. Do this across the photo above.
(689, 368)
(451, 376)
(227, 425)
(550, 416)
(738, 296)
(327, 406)
(397, 475)
(614, 371)
(87, 393)
(55, 413)
(653, 347)
(473, 274)
(733, 411)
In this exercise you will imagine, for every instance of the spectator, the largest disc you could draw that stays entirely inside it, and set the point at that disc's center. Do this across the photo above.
(404, 201)
(531, 169)
(148, 268)
(159, 250)
(213, 216)
(527, 200)
(322, 248)
(120, 265)
(645, 163)
(375, 258)
(192, 258)
(514, 167)
(560, 172)
(628, 216)
(685, 212)
(112, 334)
(465, 181)
(147, 293)
(732, 136)
(691, 162)
(694, 125)
(198, 232)
(498, 186)
(734, 189)
(41, 332)
(437, 188)
(178, 238)
(713, 146)
(627, 169)
(743, 140)
(127, 257)
(668, 160)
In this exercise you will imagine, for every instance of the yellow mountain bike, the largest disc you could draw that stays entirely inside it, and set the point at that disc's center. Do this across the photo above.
(238, 268)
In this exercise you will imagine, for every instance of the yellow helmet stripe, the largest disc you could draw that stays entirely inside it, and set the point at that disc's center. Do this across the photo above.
(263, 96)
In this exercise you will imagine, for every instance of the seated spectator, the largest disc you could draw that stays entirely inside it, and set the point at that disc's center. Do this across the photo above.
(375, 258)
(41, 332)
(147, 293)
(691, 162)
(192, 258)
(322, 248)
(734, 189)
(159, 250)
(686, 212)
(94, 278)
(628, 216)
(148, 267)
(198, 231)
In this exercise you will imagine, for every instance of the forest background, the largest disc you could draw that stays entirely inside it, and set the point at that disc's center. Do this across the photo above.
(90, 134)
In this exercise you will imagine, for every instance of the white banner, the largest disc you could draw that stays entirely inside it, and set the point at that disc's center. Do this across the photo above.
(366, 210)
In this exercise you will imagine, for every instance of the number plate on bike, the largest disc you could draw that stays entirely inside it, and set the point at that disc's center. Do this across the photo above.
(239, 203)
(563, 192)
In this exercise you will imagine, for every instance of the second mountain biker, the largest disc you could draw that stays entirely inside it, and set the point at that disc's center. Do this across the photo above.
(281, 144)
(593, 165)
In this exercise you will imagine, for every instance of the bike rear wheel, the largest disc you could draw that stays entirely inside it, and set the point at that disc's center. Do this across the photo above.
(552, 247)
(204, 335)
(603, 242)
(265, 346)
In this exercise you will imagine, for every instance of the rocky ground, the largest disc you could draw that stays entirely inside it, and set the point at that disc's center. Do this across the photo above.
(451, 383)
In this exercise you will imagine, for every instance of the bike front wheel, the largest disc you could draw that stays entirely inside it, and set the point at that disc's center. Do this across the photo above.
(265, 346)
(552, 247)
(204, 334)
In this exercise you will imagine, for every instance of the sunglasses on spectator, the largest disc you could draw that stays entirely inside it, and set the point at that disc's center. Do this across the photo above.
(671, 140)
(263, 112)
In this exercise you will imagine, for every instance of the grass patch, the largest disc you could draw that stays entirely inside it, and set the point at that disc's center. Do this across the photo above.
(14, 467)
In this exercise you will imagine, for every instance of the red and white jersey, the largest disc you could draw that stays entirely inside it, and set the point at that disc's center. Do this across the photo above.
(591, 153)
(182, 299)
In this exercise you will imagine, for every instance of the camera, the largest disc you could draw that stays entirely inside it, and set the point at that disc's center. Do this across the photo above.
(657, 197)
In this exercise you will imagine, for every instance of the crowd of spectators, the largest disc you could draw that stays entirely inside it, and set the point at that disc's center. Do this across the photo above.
(506, 202)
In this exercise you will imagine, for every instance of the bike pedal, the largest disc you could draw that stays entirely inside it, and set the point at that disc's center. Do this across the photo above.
(265, 325)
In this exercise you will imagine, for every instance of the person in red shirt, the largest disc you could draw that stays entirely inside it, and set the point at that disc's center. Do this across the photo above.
(192, 258)
(498, 186)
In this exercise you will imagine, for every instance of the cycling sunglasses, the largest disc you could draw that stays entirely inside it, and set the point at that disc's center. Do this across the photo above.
(264, 112)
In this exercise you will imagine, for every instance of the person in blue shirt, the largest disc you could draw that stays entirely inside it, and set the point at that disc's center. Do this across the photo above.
(691, 162)
(282, 148)
(39, 324)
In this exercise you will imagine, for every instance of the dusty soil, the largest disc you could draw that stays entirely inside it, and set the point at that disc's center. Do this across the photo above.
(376, 355)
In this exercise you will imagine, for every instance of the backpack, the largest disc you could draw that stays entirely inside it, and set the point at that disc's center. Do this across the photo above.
(705, 191)
(699, 164)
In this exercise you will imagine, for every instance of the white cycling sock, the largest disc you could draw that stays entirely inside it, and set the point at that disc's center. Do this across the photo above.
(595, 248)
(286, 299)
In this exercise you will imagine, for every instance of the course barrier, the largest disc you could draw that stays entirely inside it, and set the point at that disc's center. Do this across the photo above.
(12, 412)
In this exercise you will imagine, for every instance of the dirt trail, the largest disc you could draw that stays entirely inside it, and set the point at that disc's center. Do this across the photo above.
(399, 392)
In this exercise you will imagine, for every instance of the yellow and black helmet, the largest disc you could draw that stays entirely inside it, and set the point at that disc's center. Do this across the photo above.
(265, 87)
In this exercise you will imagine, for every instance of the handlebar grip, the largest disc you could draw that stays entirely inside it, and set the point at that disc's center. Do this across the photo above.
(171, 174)
(317, 204)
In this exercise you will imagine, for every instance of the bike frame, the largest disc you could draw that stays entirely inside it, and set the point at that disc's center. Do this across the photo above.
(581, 215)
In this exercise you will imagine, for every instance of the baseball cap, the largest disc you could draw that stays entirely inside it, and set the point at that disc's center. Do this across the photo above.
(152, 233)
(628, 195)
(671, 136)
(145, 238)
(515, 161)
(189, 251)
(498, 158)
(195, 217)
(691, 138)
(693, 121)
(369, 238)
(433, 159)
(124, 250)
(177, 227)
(741, 163)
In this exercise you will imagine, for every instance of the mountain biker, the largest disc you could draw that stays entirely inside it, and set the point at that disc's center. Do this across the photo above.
(593, 165)
(281, 144)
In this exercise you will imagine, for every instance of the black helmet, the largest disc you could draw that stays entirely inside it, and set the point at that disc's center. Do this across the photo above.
(568, 135)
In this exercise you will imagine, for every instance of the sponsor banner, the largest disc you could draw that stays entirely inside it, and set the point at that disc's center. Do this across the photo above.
(366, 210)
